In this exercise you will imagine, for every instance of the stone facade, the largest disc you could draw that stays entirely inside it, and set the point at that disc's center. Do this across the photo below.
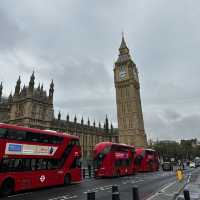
(32, 107)
(129, 110)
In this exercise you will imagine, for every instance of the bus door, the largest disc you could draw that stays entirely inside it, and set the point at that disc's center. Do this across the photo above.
(75, 168)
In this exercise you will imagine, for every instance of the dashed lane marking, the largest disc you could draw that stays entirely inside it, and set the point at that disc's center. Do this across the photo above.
(64, 197)
(101, 188)
(132, 181)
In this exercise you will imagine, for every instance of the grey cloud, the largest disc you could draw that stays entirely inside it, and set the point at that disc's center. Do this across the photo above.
(10, 32)
(76, 44)
(171, 115)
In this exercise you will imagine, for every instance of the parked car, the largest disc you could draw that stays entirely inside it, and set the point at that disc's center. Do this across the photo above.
(167, 166)
(197, 161)
(192, 165)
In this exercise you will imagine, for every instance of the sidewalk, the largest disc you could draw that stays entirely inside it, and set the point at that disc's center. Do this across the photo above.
(170, 191)
(193, 186)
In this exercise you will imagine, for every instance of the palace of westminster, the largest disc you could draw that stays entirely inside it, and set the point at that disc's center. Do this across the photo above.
(33, 107)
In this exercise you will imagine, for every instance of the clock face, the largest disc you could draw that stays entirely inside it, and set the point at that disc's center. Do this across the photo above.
(122, 72)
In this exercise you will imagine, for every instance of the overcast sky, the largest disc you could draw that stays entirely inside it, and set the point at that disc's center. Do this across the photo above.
(75, 43)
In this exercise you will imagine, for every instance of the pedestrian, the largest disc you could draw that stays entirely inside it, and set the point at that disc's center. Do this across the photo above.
(179, 174)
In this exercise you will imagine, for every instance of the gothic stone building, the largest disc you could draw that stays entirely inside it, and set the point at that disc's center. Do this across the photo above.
(32, 107)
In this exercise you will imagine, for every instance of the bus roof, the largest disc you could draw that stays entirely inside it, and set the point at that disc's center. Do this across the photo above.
(104, 144)
(143, 148)
(35, 130)
(140, 150)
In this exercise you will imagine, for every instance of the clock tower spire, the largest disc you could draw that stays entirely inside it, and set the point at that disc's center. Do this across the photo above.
(129, 109)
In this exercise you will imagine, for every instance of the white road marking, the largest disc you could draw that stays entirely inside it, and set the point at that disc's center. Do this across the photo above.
(101, 188)
(18, 195)
(64, 197)
(160, 191)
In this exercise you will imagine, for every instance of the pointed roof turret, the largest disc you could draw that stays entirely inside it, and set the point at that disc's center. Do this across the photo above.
(94, 124)
(38, 87)
(41, 87)
(106, 124)
(51, 91)
(99, 125)
(32, 78)
(123, 43)
(82, 120)
(52, 84)
(10, 97)
(23, 91)
(123, 52)
(111, 128)
(67, 118)
(75, 119)
(88, 121)
(59, 115)
(17, 87)
(31, 83)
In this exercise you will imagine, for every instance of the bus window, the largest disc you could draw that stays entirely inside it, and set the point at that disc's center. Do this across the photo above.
(16, 135)
(26, 164)
(4, 165)
(18, 164)
(52, 164)
(33, 164)
(118, 163)
(56, 140)
(33, 137)
(41, 164)
(3, 132)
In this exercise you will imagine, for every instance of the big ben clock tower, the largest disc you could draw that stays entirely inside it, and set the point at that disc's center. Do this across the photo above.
(129, 110)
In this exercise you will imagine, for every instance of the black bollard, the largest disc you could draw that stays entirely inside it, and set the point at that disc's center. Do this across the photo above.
(115, 193)
(135, 193)
(114, 188)
(91, 196)
(186, 194)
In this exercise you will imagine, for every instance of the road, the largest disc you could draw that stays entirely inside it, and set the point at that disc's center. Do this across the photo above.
(148, 184)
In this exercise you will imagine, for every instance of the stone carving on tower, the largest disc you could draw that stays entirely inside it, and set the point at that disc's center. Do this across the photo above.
(129, 109)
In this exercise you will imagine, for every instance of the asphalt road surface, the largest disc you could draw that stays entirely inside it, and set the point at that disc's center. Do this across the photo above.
(148, 184)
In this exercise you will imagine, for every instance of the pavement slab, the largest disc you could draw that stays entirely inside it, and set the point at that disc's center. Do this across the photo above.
(169, 192)
(193, 186)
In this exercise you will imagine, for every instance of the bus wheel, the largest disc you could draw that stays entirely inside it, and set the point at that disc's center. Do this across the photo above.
(67, 179)
(7, 187)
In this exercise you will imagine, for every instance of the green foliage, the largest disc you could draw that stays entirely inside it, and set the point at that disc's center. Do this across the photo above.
(186, 149)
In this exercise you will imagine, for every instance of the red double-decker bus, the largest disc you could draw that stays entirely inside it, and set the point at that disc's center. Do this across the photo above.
(112, 159)
(33, 158)
(146, 160)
